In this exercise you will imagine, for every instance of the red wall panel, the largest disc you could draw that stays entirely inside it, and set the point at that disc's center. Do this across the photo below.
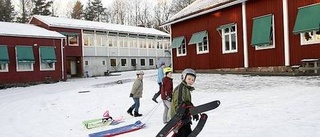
(36, 75)
(214, 59)
(266, 57)
(298, 51)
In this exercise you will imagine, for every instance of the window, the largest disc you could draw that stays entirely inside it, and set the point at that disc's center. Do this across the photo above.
(263, 32)
(103, 62)
(99, 40)
(47, 58)
(4, 58)
(133, 62)
(88, 40)
(4, 67)
(311, 37)
(123, 62)
(229, 38)
(86, 63)
(73, 40)
(151, 62)
(113, 62)
(25, 58)
(142, 62)
(201, 41)
(112, 41)
(182, 49)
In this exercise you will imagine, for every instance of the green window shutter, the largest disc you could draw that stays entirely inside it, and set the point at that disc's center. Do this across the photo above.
(177, 41)
(308, 19)
(48, 54)
(4, 57)
(261, 30)
(197, 37)
(25, 54)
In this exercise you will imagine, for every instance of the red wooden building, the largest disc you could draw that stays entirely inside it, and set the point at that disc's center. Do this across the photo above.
(246, 35)
(30, 54)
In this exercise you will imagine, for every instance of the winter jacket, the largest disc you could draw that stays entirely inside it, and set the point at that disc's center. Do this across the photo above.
(166, 89)
(160, 75)
(137, 88)
(185, 96)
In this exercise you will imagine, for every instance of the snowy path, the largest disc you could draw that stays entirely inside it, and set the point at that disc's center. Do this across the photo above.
(251, 106)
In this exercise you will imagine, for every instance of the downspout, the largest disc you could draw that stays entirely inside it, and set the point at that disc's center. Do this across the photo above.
(286, 33)
(62, 59)
(245, 36)
(82, 56)
(172, 65)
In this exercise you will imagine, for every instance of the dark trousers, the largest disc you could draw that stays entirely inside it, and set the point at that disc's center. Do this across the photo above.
(156, 95)
(184, 131)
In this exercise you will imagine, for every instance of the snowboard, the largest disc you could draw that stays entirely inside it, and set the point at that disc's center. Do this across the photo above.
(183, 111)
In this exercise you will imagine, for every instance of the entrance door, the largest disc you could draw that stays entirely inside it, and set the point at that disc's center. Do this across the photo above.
(73, 67)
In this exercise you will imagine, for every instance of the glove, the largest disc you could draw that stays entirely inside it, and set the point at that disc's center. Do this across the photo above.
(168, 98)
(195, 117)
(131, 95)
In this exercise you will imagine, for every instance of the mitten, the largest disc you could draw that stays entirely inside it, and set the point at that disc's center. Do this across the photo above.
(131, 95)
(195, 117)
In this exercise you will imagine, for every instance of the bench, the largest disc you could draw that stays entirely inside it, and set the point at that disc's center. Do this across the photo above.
(310, 66)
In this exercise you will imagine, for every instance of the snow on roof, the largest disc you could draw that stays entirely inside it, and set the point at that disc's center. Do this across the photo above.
(200, 7)
(92, 25)
(26, 30)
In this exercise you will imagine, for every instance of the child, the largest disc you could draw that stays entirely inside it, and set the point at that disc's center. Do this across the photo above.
(136, 94)
(182, 94)
(159, 80)
(166, 93)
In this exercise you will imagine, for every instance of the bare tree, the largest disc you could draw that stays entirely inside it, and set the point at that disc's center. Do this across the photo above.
(25, 7)
(119, 13)
(178, 5)
(162, 12)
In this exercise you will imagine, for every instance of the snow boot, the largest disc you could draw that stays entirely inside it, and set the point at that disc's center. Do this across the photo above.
(129, 111)
(136, 114)
(155, 96)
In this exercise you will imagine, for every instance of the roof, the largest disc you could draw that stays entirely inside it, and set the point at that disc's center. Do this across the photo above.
(200, 7)
(93, 25)
(27, 30)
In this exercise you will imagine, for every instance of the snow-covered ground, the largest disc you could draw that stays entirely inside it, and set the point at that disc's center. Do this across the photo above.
(251, 106)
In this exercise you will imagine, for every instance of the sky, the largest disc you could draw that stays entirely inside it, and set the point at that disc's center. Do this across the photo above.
(251, 106)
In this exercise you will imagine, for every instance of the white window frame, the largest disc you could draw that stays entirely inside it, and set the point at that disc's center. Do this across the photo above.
(24, 66)
(125, 62)
(203, 45)
(115, 62)
(272, 45)
(45, 66)
(69, 39)
(314, 37)
(153, 64)
(4, 67)
(89, 39)
(230, 33)
(135, 62)
(145, 64)
(181, 47)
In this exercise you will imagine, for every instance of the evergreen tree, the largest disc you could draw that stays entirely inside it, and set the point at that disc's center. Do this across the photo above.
(6, 11)
(77, 10)
(94, 10)
(41, 7)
